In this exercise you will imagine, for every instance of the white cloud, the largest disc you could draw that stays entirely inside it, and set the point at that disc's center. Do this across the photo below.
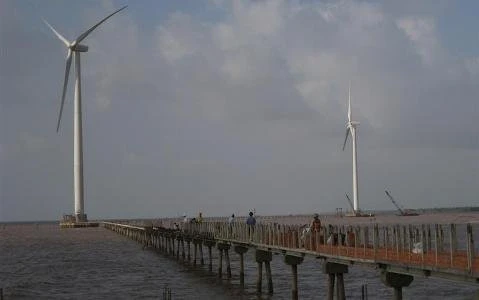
(422, 33)
(180, 37)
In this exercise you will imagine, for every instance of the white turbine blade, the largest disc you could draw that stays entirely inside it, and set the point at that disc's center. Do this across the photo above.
(86, 33)
(64, 40)
(346, 138)
(349, 103)
(65, 83)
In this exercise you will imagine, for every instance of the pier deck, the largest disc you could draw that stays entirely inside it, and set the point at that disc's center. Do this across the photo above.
(400, 250)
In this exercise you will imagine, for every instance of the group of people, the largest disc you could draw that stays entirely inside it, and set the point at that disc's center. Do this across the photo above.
(197, 220)
(334, 236)
(315, 226)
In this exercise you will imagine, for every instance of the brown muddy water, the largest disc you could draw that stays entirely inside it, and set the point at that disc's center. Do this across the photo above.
(42, 261)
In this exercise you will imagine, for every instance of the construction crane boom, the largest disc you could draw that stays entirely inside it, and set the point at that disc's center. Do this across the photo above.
(395, 204)
(350, 203)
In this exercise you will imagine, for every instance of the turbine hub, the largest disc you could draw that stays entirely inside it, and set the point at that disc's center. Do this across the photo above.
(79, 48)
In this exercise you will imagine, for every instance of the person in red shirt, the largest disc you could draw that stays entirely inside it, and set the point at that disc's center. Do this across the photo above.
(316, 223)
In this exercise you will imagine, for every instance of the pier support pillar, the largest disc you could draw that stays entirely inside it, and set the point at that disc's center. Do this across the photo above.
(228, 264)
(183, 254)
(396, 281)
(259, 280)
(178, 239)
(167, 244)
(209, 244)
(188, 242)
(264, 257)
(331, 278)
(241, 251)
(294, 261)
(335, 271)
(195, 251)
(340, 293)
(224, 248)
(202, 261)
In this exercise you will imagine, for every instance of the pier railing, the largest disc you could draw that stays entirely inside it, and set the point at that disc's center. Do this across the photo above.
(400, 252)
(448, 247)
(444, 250)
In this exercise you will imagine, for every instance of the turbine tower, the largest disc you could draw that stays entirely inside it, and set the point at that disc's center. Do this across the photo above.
(74, 49)
(351, 129)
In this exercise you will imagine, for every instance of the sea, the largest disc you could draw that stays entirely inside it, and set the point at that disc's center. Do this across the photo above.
(43, 261)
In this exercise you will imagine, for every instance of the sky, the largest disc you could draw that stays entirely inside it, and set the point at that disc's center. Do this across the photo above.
(227, 106)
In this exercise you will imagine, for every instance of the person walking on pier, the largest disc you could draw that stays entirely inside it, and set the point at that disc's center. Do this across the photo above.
(186, 221)
(251, 222)
(315, 228)
(315, 223)
(231, 220)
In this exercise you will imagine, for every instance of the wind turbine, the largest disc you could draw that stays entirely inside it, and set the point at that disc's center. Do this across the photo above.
(351, 129)
(74, 49)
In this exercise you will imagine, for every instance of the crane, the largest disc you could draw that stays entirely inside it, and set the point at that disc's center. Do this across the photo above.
(402, 212)
(350, 203)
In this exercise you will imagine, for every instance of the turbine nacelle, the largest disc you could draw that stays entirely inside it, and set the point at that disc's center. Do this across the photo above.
(79, 48)
(352, 124)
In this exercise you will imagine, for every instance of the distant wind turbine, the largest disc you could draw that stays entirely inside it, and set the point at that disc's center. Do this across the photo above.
(351, 129)
(75, 48)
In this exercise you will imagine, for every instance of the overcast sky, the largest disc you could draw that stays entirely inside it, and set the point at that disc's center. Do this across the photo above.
(225, 106)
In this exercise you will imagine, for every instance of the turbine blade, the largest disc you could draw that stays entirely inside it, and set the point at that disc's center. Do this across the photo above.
(64, 40)
(65, 83)
(346, 138)
(86, 33)
(349, 103)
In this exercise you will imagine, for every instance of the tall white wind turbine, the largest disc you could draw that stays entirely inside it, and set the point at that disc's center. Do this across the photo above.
(75, 48)
(351, 129)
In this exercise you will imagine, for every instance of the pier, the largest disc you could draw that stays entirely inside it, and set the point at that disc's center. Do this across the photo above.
(399, 251)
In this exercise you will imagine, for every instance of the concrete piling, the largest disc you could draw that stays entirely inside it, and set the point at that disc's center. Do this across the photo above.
(223, 249)
(294, 261)
(228, 265)
(335, 271)
(194, 252)
(396, 281)
(340, 293)
(331, 278)
(188, 241)
(241, 251)
(210, 243)
(202, 261)
(220, 263)
(269, 278)
(178, 248)
(259, 280)
(183, 254)
(264, 257)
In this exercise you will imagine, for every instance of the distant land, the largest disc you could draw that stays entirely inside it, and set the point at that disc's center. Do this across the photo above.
(437, 210)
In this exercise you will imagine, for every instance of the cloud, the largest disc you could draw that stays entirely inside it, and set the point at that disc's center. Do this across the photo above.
(243, 104)
(422, 34)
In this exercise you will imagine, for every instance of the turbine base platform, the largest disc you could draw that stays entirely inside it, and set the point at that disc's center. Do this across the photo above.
(358, 214)
(76, 221)
(78, 224)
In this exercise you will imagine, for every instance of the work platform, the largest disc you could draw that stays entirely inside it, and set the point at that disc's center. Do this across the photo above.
(72, 221)
(78, 224)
